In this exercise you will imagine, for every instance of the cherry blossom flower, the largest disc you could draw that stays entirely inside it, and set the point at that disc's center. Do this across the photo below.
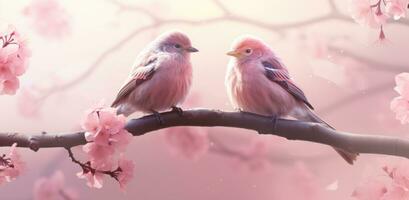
(120, 140)
(187, 141)
(402, 85)
(106, 135)
(101, 124)
(396, 193)
(9, 85)
(370, 190)
(374, 14)
(48, 18)
(400, 104)
(396, 8)
(363, 14)
(99, 155)
(94, 179)
(392, 185)
(94, 175)
(11, 165)
(14, 56)
(53, 188)
(106, 129)
(126, 169)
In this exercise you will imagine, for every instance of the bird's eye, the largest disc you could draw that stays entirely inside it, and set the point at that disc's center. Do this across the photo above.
(248, 51)
(177, 46)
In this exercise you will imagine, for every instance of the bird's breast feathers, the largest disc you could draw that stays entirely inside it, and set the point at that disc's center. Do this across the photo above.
(167, 87)
(250, 90)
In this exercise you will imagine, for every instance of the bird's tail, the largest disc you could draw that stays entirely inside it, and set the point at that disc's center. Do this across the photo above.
(309, 115)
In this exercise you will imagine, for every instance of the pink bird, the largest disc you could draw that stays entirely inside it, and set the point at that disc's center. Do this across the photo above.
(258, 82)
(160, 78)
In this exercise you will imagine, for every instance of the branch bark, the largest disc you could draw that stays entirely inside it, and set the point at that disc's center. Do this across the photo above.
(290, 129)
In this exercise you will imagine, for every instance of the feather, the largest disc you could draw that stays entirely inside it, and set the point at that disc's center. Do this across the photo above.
(139, 75)
(277, 73)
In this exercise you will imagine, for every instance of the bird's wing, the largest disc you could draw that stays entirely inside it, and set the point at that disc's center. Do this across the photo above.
(140, 73)
(276, 72)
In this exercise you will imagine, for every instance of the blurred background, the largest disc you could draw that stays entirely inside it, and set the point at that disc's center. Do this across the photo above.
(82, 52)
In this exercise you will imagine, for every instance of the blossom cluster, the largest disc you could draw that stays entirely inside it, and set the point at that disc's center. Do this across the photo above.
(400, 104)
(393, 184)
(375, 14)
(189, 142)
(106, 137)
(14, 56)
(53, 188)
(48, 18)
(11, 165)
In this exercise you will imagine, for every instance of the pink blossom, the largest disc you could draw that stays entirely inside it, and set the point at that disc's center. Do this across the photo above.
(396, 8)
(106, 134)
(382, 36)
(396, 192)
(102, 123)
(5, 71)
(94, 180)
(14, 56)
(11, 165)
(126, 171)
(120, 140)
(90, 124)
(400, 104)
(399, 172)
(363, 14)
(53, 188)
(48, 18)
(9, 85)
(94, 174)
(402, 85)
(99, 155)
(187, 141)
(380, 19)
(392, 185)
(370, 190)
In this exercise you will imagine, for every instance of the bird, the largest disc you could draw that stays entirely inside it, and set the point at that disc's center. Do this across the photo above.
(257, 81)
(160, 78)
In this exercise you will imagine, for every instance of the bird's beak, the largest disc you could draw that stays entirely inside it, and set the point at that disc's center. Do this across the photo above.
(191, 49)
(233, 53)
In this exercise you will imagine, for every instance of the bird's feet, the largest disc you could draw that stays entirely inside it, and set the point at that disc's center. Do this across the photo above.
(274, 119)
(178, 110)
(158, 117)
(241, 111)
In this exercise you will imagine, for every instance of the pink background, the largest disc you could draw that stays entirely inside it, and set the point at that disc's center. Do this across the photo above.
(96, 26)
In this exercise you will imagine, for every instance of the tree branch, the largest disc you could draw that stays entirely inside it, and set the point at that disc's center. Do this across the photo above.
(290, 129)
